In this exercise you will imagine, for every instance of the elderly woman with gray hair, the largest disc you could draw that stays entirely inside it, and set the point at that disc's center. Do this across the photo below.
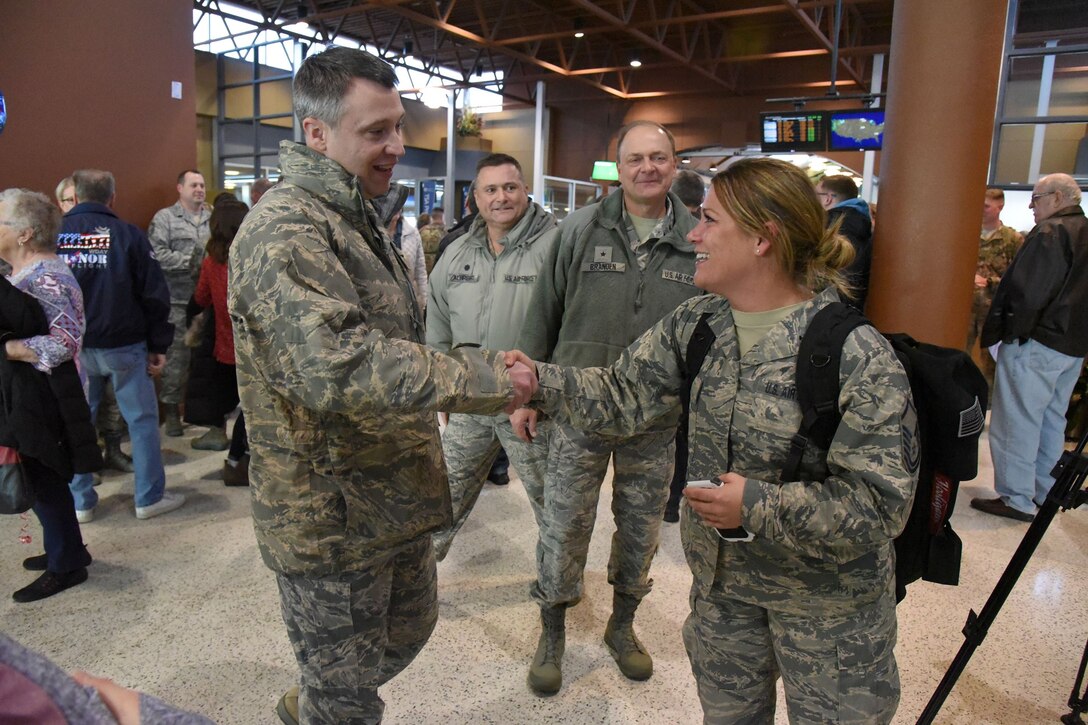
(43, 410)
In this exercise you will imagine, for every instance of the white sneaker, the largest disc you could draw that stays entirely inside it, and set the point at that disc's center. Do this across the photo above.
(164, 505)
(85, 516)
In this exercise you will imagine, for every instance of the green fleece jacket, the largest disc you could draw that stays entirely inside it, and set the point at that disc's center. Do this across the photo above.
(592, 300)
(479, 299)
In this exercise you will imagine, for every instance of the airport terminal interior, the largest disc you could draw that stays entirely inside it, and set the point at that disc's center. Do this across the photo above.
(182, 606)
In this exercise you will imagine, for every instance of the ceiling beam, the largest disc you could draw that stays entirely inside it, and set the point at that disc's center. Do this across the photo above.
(794, 7)
(460, 32)
(650, 42)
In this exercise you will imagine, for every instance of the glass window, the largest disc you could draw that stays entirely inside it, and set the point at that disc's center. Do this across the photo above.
(1061, 141)
(557, 197)
(1069, 85)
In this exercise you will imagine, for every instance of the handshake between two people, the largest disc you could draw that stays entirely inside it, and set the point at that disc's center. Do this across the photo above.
(719, 504)
(522, 372)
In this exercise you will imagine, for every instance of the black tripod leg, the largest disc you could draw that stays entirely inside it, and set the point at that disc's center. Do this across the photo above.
(1080, 704)
(1069, 474)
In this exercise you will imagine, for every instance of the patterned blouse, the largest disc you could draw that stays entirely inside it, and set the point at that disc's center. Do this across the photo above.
(52, 284)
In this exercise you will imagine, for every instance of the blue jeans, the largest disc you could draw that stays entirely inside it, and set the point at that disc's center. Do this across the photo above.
(1032, 386)
(127, 368)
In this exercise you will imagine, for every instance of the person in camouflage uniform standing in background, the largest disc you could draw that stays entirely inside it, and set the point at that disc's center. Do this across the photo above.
(339, 395)
(178, 234)
(810, 597)
(997, 246)
(617, 267)
(480, 296)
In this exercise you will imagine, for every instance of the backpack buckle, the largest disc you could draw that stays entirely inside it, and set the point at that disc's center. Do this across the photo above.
(797, 445)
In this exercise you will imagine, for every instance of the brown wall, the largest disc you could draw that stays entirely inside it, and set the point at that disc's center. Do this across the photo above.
(584, 131)
(88, 85)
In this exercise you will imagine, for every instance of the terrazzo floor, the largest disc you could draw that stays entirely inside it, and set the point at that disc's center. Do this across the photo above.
(182, 607)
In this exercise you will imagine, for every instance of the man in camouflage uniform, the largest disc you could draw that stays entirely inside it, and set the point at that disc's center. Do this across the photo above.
(479, 296)
(821, 564)
(997, 246)
(617, 267)
(178, 234)
(339, 392)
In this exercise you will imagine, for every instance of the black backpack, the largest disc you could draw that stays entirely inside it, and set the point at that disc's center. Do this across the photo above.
(949, 393)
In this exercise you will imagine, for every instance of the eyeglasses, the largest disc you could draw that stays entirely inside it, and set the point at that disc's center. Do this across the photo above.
(1036, 197)
(68, 200)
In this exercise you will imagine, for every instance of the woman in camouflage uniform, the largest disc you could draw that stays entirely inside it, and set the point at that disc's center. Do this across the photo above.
(810, 596)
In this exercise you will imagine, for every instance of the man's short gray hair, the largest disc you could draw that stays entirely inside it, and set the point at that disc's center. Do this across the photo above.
(1065, 184)
(32, 210)
(94, 185)
(322, 81)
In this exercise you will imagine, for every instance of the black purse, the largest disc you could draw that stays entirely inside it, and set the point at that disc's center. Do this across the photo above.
(15, 494)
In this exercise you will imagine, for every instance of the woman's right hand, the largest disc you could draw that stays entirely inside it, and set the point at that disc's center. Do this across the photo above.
(123, 703)
(720, 506)
(18, 350)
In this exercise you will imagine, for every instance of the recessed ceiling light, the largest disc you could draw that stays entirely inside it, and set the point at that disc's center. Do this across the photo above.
(636, 63)
(579, 34)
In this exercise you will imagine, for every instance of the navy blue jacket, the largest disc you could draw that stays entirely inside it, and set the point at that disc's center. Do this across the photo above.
(125, 296)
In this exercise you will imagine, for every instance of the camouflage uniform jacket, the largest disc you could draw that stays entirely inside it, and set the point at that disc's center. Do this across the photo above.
(337, 387)
(480, 299)
(592, 298)
(430, 236)
(822, 544)
(178, 240)
(995, 253)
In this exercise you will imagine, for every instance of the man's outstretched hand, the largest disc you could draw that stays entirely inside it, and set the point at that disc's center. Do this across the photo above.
(522, 372)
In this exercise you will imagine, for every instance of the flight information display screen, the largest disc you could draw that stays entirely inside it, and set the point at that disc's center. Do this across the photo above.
(794, 131)
(857, 130)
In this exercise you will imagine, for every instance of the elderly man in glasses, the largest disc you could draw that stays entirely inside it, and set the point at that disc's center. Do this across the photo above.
(1040, 317)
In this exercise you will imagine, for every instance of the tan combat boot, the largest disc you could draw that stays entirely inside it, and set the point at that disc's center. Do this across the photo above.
(172, 420)
(545, 675)
(619, 636)
(287, 707)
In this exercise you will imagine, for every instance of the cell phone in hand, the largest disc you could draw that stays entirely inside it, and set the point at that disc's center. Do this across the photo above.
(737, 534)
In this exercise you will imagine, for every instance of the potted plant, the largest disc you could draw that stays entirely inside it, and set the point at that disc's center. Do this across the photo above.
(469, 123)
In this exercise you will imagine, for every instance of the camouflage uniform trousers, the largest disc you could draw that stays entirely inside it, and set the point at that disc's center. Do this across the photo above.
(836, 668)
(176, 371)
(111, 426)
(470, 445)
(353, 633)
(577, 463)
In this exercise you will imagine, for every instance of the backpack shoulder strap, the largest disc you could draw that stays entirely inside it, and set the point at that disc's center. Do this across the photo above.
(698, 346)
(702, 338)
(817, 380)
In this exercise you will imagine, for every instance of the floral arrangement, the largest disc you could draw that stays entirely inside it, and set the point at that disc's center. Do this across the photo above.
(469, 123)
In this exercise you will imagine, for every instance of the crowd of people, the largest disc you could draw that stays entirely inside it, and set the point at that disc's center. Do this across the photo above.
(342, 328)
